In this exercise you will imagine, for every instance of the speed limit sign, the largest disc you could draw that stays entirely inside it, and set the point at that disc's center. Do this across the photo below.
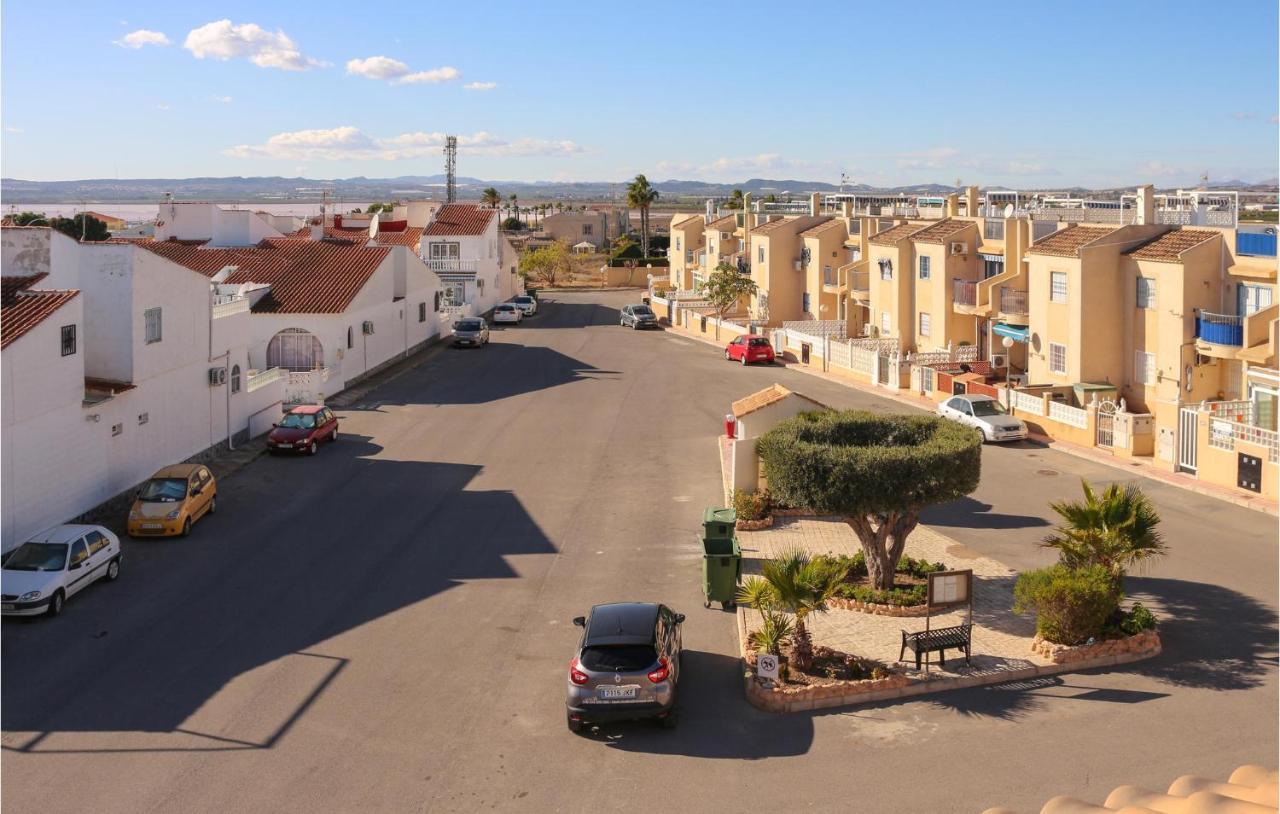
(766, 665)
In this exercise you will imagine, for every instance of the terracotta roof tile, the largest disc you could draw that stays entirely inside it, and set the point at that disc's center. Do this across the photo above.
(306, 276)
(686, 223)
(23, 308)
(941, 231)
(771, 226)
(360, 234)
(1170, 245)
(814, 231)
(1067, 242)
(727, 223)
(460, 219)
(891, 236)
(770, 395)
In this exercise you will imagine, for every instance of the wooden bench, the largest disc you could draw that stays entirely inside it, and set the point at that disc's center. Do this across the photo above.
(938, 640)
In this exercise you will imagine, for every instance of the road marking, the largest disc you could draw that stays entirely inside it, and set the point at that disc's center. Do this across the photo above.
(682, 498)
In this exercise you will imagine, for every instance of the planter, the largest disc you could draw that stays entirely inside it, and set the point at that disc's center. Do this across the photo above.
(1139, 645)
(782, 698)
(877, 609)
(754, 525)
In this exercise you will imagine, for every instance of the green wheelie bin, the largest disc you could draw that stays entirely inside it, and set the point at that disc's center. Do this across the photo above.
(721, 557)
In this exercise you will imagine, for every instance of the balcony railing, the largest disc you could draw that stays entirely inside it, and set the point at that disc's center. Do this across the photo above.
(965, 292)
(1220, 329)
(1256, 244)
(860, 280)
(829, 276)
(993, 229)
(226, 306)
(261, 378)
(453, 265)
(1013, 301)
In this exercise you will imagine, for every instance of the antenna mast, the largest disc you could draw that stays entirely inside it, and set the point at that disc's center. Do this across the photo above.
(450, 169)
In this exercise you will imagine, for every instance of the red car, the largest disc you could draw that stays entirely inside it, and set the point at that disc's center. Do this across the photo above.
(748, 349)
(302, 429)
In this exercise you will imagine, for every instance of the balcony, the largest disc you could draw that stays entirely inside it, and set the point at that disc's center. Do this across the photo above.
(452, 265)
(965, 293)
(228, 306)
(1220, 329)
(1256, 244)
(258, 379)
(993, 229)
(1013, 302)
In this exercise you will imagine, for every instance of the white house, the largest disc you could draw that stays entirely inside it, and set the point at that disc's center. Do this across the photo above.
(475, 264)
(135, 367)
(754, 416)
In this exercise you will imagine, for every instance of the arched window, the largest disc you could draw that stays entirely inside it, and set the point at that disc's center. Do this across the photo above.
(235, 378)
(295, 349)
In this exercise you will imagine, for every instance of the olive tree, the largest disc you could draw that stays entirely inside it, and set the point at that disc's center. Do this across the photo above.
(725, 288)
(878, 472)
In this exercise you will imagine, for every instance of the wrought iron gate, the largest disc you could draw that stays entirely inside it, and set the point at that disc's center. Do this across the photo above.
(1188, 426)
(1104, 435)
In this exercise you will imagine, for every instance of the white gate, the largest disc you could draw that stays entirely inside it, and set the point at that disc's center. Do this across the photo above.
(1104, 435)
(1188, 424)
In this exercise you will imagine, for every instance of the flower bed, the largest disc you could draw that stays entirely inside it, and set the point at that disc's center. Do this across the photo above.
(823, 685)
(907, 598)
(1143, 644)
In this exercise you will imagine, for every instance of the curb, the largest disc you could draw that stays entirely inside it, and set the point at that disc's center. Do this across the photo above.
(1140, 468)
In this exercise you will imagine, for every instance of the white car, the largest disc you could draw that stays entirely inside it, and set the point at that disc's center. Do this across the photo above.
(986, 415)
(508, 312)
(526, 303)
(42, 573)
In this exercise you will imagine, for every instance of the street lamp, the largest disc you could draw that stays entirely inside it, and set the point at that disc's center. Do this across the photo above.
(1007, 343)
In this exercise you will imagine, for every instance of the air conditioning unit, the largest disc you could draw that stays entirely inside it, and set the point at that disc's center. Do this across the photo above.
(999, 361)
(799, 264)
(367, 327)
(217, 376)
(958, 247)
(868, 330)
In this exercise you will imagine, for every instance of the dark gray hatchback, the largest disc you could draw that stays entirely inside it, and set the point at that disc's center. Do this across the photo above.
(627, 665)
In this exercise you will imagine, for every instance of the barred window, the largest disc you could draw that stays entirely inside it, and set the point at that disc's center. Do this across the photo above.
(1057, 358)
(1146, 292)
(1144, 367)
(235, 378)
(926, 323)
(154, 329)
(924, 268)
(422, 312)
(1057, 286)
(68, 340)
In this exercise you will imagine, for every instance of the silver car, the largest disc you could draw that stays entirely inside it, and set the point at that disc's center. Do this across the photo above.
(638, 316)
(627, 665)
(470, 332)
(986, 415)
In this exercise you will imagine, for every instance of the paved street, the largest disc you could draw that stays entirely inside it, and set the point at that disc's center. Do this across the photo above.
(385, 627)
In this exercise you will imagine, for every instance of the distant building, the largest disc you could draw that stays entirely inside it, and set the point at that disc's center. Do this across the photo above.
(595, 226)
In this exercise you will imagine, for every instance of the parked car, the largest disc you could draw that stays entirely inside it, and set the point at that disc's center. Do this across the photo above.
(302, 429)
(748, 349)
(527, 303)
(508, 312)
(638, 316)
(173, 500)
(470, 332)
(42, 573)
(627, 665)
(986, 415)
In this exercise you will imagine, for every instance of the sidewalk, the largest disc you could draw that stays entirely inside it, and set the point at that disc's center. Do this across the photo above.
(1142, 468)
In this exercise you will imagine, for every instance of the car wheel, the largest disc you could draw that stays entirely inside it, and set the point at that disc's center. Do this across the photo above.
(113, 570)
(727, 357)
(334, 435)
(186, 527)
(744, 360)
(672, 720)
(574, 726)
(622, 323)
(312, 448)
(213, 505)
(55, 604)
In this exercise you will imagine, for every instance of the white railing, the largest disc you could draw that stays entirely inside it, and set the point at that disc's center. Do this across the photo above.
(258, 379)
(226, 306)
(881, 345)
(1224, 434)
(833, 328)
(862, 359)
(1032, 403)
(307, 386)
(841, 354)
(453, 265)
(1066, 414)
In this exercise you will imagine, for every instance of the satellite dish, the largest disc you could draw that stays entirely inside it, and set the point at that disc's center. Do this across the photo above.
(1008, 210)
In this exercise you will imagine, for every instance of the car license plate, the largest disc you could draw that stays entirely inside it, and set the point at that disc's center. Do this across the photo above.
(464, 341)
(617, 692)
(6, 607)
(285, 446)
(151, 525)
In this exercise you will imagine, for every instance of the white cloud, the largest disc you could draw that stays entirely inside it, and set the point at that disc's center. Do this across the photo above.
(1158, 169)
(349, 143)
(737, 168)
(480, 85)
(10, 129)
(163, 106)
(1027, 168)
(222, 40)
(1244, 115)
(933, 158)
(397, 72)
(226, 100)
(141, 37)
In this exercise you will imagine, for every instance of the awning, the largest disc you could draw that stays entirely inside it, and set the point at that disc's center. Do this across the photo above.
(991, 254)
(1018, 333)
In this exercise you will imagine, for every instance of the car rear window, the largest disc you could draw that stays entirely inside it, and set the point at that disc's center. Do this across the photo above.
(622, 658)
(469, 325)
(758, 343)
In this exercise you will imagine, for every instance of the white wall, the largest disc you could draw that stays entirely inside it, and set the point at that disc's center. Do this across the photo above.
(206, 221)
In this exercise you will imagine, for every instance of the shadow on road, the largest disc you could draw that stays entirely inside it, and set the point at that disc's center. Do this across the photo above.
(715, 720)
(345, 542)
(1016, 700)
(969, 513)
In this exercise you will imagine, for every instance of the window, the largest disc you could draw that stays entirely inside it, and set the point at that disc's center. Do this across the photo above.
(1057, 286)
(235, 378)
(926, 323)
(68, 340)
(422, 312)
(351, 337)
(884, 322)
(760, 250)
(924, 268)
(152, 318)
(991, 268)
(1057, 358)
(116, 429)
(1144, 367)
(886, 268)
(804, 302)
(435, 300)
(143, 418)
(1146, 292)
(78, 553)
(828, 275)
(96, 540)
(443, 251)
(1250, 299)
(678, 244)
(586, 229)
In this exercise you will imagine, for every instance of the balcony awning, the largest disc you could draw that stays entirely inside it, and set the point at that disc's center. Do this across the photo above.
(991, 253)
(1018, 333)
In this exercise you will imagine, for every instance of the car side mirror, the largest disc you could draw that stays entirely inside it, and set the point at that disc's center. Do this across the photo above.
(195, 491)
(580, 621)
(679, 618)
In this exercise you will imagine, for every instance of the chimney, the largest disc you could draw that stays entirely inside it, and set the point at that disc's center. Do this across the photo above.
(952, 206)
(846, 209)
(971, 201)
(317, 230)
(706, 218)
(815, 204)
(1146, 204)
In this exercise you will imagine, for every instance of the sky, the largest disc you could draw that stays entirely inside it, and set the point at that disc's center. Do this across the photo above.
(1015, 94)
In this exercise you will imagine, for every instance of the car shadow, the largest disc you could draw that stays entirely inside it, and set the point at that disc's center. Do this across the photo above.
(716, 722)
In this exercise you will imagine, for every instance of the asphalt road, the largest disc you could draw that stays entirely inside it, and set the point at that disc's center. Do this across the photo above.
(385, 627)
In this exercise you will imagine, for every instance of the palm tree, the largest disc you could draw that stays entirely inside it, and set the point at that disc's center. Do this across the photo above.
(641, 196)
(798, 585)
(491, 198)
(1116, 529)
(735, 200)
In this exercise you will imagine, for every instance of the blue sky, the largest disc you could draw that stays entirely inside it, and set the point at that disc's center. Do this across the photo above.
(1011, 93)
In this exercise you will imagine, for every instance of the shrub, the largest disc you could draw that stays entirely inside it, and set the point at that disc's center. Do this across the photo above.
(1137, 619)
(1071, 605)
(900, 597)
(751, 505)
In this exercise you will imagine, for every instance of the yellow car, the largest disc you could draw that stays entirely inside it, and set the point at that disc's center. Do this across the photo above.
(175, 498)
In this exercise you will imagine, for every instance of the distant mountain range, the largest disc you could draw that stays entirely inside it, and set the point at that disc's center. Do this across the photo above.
(278, 189)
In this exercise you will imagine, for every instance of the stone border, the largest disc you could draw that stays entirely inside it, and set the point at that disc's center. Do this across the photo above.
(898, 686)
(755, 525)
(1144, 644)
(912, 611)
